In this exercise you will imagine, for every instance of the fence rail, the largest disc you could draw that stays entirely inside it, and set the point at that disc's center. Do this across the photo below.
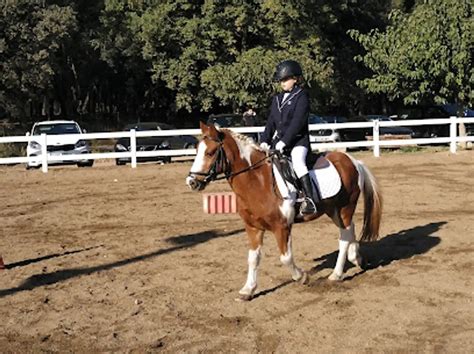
(133, 154)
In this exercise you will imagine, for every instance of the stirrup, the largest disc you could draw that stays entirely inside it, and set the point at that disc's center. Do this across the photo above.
(308, 207)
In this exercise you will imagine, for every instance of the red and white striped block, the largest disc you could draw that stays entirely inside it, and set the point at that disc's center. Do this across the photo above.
(219, 203)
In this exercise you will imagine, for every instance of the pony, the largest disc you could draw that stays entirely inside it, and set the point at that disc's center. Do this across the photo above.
(222, 153)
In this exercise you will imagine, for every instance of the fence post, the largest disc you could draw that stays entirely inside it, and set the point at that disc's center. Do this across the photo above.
(376, 138)
(44, 153)
(133, 147)
(452, 134)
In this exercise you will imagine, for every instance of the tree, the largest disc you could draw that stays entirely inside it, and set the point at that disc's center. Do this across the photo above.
(32, 37)
(424, 56)
(215, 54)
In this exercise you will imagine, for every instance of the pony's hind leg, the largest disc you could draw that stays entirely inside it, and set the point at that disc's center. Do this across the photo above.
(255, 237)
(347, 248)
(286, 255)
(353, 254)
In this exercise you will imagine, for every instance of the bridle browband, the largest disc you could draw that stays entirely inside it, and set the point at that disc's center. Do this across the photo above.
(221, 165)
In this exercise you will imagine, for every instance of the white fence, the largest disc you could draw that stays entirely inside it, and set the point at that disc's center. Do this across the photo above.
(133, 154)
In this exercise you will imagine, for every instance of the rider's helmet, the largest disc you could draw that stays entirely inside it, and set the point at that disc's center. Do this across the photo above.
(286, 69)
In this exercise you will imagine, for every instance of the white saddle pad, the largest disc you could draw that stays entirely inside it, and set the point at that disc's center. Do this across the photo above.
(326, 179)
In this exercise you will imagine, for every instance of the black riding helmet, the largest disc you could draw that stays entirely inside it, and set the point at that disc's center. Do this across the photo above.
(286, 69)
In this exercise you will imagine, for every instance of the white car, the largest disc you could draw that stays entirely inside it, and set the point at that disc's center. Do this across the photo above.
(59, 143)
(322, 136)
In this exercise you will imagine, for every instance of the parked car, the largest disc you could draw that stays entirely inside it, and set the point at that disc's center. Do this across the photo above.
(425, 112)
(226, 120)
(178, 142)
(152, 143)
(59, 143)
(325, 135)
(406, 132)
(231, 120)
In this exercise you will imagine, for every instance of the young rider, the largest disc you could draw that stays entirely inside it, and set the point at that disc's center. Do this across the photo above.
(287, 125)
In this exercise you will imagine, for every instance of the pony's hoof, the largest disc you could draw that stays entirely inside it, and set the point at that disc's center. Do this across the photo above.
(304, 280)
(335, 277)
(243, 298)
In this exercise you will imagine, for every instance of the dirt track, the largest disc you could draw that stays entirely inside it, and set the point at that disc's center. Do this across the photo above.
(116, 259)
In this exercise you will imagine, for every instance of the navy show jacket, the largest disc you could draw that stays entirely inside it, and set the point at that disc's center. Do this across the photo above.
(288, 119)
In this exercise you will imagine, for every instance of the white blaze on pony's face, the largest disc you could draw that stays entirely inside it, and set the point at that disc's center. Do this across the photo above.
(199, 163)
(205, 157)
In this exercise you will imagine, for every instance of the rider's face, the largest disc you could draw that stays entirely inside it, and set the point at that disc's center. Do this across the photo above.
(288, 83)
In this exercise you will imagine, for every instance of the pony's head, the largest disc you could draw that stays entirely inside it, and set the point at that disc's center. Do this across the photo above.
(210, 159)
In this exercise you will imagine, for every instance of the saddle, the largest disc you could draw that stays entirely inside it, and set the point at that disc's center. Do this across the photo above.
(326, 180)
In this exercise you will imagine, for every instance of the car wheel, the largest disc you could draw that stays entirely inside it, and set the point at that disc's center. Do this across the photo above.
(88, 163)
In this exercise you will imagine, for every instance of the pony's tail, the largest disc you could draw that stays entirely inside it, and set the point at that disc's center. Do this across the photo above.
(372, 203)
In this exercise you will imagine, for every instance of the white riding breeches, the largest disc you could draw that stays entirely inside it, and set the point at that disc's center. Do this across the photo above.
(298, 157)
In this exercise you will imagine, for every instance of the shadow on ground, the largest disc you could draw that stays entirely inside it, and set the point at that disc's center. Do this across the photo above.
(400, 245)
(182, 241)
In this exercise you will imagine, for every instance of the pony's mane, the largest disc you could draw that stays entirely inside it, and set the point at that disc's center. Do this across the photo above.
(245, 140)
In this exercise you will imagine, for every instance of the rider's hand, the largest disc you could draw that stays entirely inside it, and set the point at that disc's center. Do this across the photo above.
(280, 146)
(265, 146)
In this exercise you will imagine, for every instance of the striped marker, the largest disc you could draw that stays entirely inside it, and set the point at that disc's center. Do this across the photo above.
(219, 203)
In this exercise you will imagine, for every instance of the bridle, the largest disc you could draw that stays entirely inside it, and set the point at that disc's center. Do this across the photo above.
(221, 166)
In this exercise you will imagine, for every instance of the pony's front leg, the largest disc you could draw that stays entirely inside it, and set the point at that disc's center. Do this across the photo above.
(255, 237)
(346, 238)
(286, 255)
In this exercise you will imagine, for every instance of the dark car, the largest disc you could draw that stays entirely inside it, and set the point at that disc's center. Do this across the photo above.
(356, 134)
(425, 112)
(224, 120)
(393, 131)
(230, 120)
(178, 142)
(152, 143)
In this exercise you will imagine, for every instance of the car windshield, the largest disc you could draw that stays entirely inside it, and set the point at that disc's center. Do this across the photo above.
(141, 126)
(316, 120)
(226, 121)
(380, 118)
(335, 119)
(56, 129)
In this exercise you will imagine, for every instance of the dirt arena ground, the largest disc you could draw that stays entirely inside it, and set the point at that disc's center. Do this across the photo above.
(119, 259)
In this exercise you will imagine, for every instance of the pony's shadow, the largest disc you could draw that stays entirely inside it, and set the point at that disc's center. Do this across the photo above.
(393, 247)
(26, 262)
(401, 245)
(180, 242)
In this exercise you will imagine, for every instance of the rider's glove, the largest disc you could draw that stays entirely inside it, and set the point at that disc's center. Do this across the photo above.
(280, 146)
(265, 146)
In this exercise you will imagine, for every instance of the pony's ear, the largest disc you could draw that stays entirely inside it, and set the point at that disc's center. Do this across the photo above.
(204, 127)
(210, 131)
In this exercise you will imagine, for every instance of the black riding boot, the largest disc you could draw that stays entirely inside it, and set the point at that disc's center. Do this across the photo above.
(308, 206)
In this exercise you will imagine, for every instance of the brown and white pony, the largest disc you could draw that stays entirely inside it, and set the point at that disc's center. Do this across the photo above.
(249, 172)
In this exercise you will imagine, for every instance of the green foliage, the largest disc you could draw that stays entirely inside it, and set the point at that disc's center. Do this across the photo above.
(32, 37)
(224, 53)
(423, 56)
